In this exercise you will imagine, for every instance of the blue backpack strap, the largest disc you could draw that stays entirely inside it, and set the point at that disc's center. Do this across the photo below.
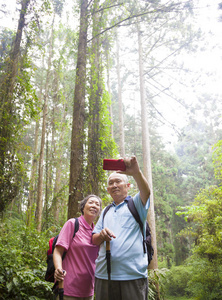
(134, 212)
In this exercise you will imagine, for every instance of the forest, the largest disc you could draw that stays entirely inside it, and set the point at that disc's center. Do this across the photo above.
(85, 80)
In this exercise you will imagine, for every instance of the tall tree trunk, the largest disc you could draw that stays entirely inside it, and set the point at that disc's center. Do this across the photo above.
(47, 180)
(95, 102)
(146, 152)
(109, 91)
(35, 160)
(120, 104)
(40, 173)
(77, 139)
(44, 120)
(51, 153)
(9, 78)
(57, 201)
(7, 111)
(56, 152)
(32, 185)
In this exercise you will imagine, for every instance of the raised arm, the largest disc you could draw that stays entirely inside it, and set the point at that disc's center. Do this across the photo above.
(133, 169)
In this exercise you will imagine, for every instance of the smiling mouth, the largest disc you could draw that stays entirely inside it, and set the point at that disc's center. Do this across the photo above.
(115, 190)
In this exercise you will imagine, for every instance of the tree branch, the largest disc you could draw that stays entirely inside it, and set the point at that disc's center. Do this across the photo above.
(104, 8)
(163, 90)
(171, 125)
(172, 53)
(164, 9)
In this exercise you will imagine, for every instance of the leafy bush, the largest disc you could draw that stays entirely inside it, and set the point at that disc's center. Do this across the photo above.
(206, 279)
(176, 280)
(156, 279)
(200, 278)
(22, 261)
(204, 216)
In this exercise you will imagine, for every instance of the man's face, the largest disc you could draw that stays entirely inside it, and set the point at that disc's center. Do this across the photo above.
(117, 187)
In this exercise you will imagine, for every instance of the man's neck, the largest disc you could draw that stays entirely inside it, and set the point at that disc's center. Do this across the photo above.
(119, 200)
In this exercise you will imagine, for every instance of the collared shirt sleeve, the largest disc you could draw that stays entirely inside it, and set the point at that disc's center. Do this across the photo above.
(66, 234)
(142, 210)
(99, 225)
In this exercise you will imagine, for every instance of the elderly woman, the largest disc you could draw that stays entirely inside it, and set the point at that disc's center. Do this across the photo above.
(78, 268)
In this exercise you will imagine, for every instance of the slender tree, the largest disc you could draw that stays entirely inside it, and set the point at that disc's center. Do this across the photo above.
(146, 151)
(39, 201)
(78, 135)
(32, 184)
(95, 102)
(109, 88)
(120, 104)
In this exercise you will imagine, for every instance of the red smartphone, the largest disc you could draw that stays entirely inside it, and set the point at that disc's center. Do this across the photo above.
(114, 164)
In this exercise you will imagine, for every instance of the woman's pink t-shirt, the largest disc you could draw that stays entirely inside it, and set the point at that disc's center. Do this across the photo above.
(79, 262)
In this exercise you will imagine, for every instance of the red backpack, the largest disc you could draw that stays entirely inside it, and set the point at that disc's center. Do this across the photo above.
(49, 275)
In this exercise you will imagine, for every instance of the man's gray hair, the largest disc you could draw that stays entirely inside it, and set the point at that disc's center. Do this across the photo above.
(125, 178)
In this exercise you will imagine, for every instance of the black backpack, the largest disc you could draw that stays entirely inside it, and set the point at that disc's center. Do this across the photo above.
(147, 245)
(49, 275)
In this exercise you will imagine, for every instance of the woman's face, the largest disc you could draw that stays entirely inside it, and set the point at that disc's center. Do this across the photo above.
(92, 207)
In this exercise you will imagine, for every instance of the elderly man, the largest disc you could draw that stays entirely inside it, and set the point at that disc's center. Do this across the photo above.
(128, 260)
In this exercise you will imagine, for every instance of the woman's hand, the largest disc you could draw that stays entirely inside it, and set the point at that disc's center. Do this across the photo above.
(59, 274)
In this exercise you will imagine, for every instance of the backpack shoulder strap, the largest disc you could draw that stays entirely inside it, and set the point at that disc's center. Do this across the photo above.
(136, 216)
(134, 212)
(54, 242)
(76, 228)
(106, 210)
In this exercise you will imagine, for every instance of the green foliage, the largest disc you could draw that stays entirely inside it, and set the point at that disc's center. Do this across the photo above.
(205, 225)
(205, 282)
(194, 152)
(99, 141)
(205, 215)
(26, 101)
(167, 195)
(157, 278)
(6, 37)
(217, 160)
(22, 261)
(16, 114)
(199, 278)
(180, 298)
(10, 182)
(195, 172)
(176, 280)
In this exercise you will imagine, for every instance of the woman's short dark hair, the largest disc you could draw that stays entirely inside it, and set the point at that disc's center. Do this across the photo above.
(83, 202)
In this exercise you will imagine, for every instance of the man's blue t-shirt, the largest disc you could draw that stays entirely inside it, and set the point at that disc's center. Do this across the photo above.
(128, 260)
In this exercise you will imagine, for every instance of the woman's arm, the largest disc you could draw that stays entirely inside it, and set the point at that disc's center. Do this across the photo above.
(57, 260)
